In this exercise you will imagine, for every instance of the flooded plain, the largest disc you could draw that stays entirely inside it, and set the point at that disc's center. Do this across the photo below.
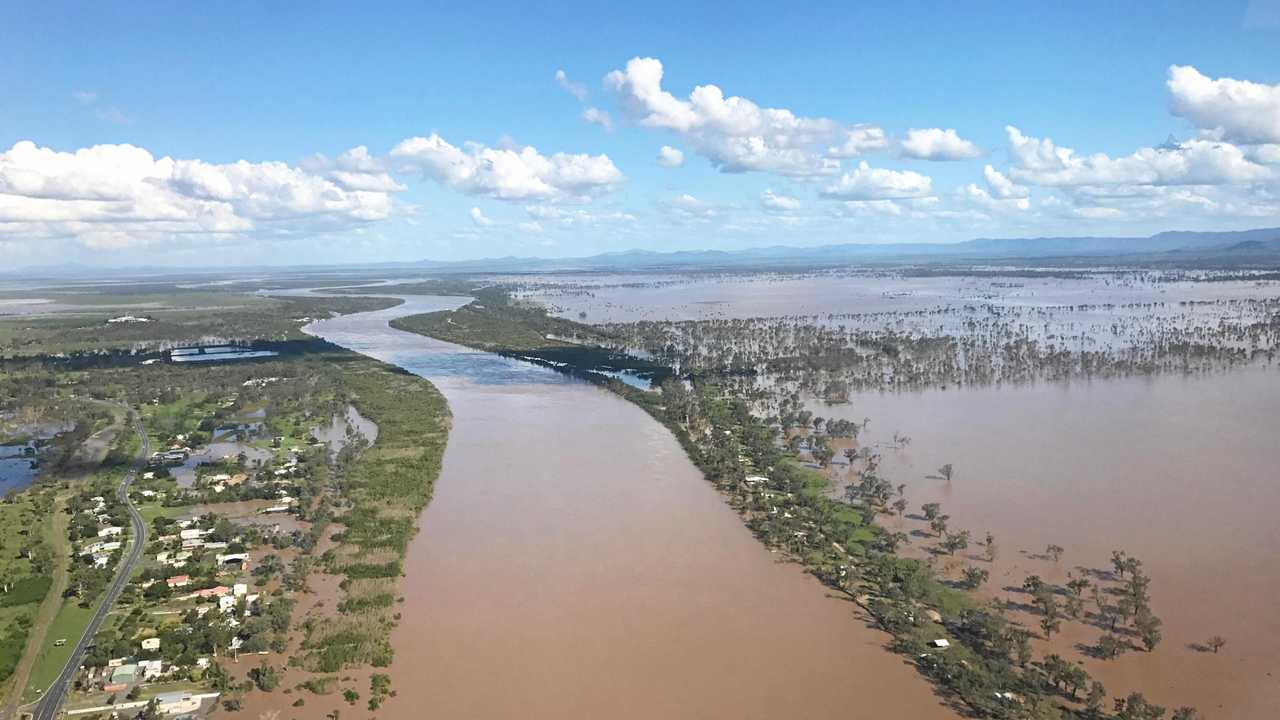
(1177, 470)
(1180, 472)
(574, 563)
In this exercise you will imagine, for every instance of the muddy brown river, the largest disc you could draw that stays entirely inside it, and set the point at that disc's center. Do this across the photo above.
(573, 563)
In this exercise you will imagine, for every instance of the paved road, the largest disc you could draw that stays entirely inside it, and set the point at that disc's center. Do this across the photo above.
(48, 706)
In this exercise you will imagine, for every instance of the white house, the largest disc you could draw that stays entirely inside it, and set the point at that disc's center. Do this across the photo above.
(151, 643)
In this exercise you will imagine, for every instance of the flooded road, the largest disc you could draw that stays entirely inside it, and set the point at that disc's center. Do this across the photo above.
(574, 563)
(1177, 471)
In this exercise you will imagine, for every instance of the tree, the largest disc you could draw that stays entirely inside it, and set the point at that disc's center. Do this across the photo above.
(975, 577)
(1022, 647)
(1216, 643)
(1050, 624)
(1186, 712)
(1055, 552)
(1136, 707)
(931, 510)
(1033, 584)
(939, 524)
(265, 677)
(1110, 647)
(991, 551)
(1118, 562)
(1095, 699)
(1148, 627)
(900, 506)
(956, 541)
(945, 472)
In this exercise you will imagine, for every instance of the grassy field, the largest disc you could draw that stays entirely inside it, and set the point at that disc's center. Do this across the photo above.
(69, 623)
(189, 318)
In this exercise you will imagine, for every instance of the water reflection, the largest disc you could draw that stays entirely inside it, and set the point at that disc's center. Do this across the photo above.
(442, 362)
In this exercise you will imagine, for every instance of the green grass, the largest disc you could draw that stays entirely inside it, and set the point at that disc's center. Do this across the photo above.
(152, 510)
(69, 623)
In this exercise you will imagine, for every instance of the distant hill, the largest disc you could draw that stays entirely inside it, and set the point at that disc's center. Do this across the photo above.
(1245, 248)
(1262, 245)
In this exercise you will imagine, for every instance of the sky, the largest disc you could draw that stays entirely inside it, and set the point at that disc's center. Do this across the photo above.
(291, 133)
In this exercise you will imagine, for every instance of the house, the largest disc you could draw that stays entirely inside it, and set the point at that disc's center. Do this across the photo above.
(113, 531)
(940, 643)
(151, 643)
(239, 589)
(178, 581)
(177, 703)
(100, 547)
(227, 603)
(192, 534)
(239, 559)
(125, 674)
(218, 591)
(101, 560)
(151, 669)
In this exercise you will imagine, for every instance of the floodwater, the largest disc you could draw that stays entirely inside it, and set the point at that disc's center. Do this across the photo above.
(185, 474)
(574, 563)
(1180, 472)
(334, 433)
(16, 470)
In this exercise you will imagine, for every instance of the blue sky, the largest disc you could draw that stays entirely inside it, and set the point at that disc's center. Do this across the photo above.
(254, 108)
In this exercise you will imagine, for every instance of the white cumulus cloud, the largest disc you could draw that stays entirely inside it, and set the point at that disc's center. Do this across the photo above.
(596, 116)
(734, 133)
(937, 144)
(670, 157)
(868, 183)
(354, 169)
(1196, 162)
(575, 89)
(111, 196)
(507, 173)
(478, 217)
(859, 140)
(1242, 111)
(774, 201)
(1001, 186)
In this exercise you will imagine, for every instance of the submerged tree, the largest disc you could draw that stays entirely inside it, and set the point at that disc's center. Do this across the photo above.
(975, 577)
(956, 541)
(1055, 552)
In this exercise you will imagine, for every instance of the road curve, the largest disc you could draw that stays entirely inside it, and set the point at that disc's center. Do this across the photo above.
(48, 706)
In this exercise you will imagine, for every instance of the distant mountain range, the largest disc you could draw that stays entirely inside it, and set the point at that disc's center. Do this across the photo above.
(1261, 246)
(1244, 248)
